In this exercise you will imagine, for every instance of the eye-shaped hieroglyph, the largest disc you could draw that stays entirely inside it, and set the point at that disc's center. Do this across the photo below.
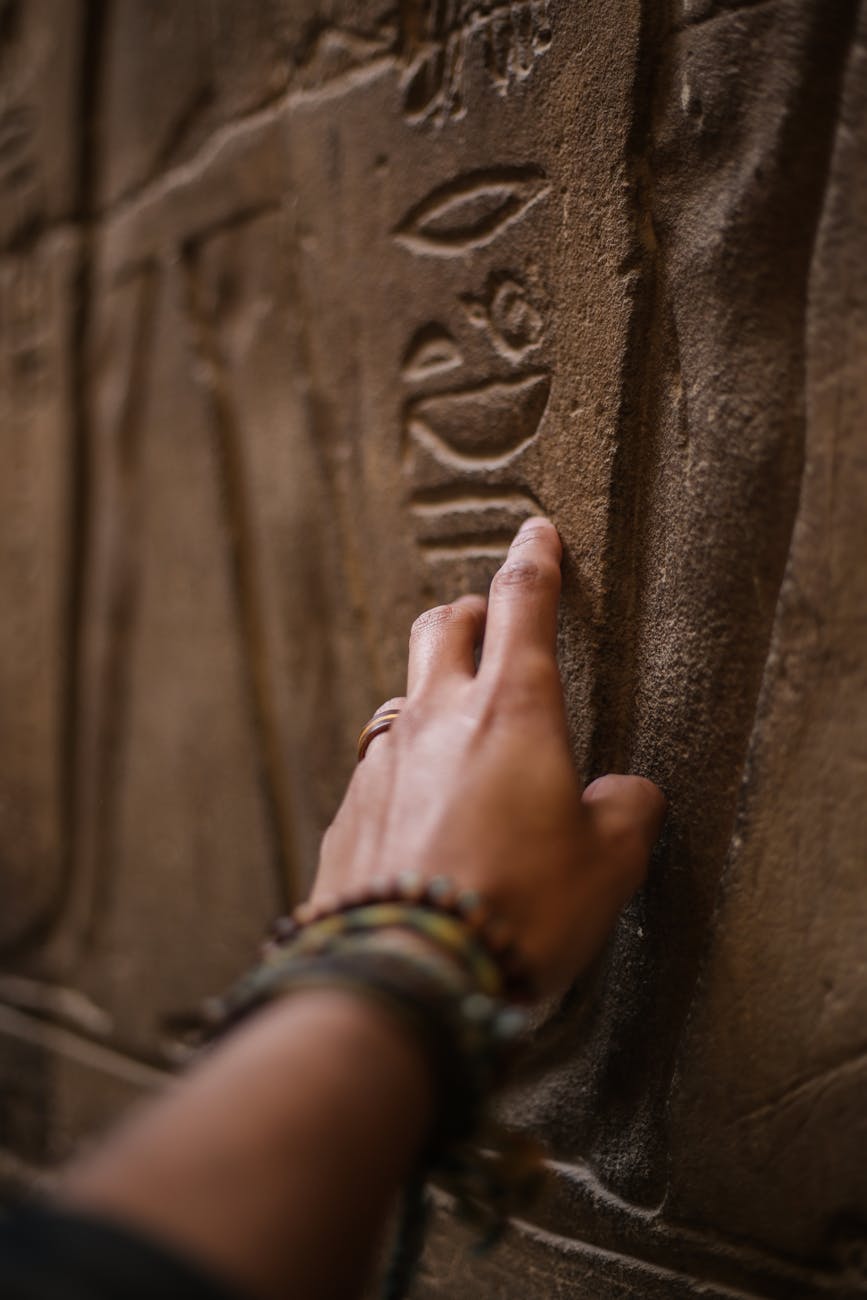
(470, 211)
(463, 444)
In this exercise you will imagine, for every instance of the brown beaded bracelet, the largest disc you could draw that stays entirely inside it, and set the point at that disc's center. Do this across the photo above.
(439, 894)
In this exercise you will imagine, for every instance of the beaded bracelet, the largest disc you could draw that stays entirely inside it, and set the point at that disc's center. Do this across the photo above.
(485, 935)
(450, 992)
(467, 1035)
(446, 934)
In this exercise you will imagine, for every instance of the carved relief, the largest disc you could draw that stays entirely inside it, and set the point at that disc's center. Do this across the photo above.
(489, 423)
(462, 445)
(439, 36)
(19, 161)
(242, 391)
(24, 331)
(461, 454)
(338, 52)
(508, 314)
(471, 211)
(431, 350)
(34, 432)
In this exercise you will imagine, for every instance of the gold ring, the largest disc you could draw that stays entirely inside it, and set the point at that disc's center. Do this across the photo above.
(379, 723)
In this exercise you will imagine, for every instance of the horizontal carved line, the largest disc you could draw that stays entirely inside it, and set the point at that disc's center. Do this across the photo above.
(467, 549)
(446, 493)
(591, 1213)
(65, 1006)
(65, 1043)
(462, 461)
(453, 501)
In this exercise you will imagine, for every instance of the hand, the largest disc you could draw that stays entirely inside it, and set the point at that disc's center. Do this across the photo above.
(474, 780)
(315, 1112)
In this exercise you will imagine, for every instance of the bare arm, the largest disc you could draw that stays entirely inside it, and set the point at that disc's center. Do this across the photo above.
(276, 1161)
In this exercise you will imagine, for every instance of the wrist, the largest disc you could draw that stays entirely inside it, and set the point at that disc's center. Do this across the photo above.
(250, 1161)
(367, 1061)
(424, 972)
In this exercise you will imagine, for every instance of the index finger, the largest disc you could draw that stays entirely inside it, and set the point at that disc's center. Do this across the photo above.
(525, 592)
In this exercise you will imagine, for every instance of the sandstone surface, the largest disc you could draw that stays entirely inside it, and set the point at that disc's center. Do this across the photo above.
(303, 307)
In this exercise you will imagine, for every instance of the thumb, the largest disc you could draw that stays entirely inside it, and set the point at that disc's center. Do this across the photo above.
(627, 814)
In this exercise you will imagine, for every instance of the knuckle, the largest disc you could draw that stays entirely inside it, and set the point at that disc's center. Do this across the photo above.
(413, 720)
(470, 612)
(531, 533)
(474, 603)
(408, 714)
(516, 574)
(396, 702)
(431, 618)
(625, 853)
(524, 575)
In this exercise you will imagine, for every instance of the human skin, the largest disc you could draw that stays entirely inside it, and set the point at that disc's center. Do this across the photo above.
(475, 780)
(276, 1160)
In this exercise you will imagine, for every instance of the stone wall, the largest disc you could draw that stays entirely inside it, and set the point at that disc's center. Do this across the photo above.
(304, 305)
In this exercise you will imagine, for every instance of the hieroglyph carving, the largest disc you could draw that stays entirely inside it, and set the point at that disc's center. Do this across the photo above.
(471, 211)
(461, 443)
(434, 42)
(440, 34)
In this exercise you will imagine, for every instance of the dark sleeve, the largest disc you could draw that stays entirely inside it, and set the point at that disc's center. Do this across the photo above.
(49, 1254)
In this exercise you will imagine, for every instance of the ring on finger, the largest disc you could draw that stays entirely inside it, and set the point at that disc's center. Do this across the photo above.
(381, 721)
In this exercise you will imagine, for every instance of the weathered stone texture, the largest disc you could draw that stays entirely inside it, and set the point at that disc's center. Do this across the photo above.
(36, 427)
(791, 918)
(312, 305)
(41, 53)
(39, 97)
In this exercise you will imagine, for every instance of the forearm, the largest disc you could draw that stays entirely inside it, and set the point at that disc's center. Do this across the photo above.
(276, 1163)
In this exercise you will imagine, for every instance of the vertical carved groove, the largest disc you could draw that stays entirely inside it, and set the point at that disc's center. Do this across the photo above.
(637, 450)
(88, 175)
(321, 426)
(79, 489)
(110, 699)
(95, 15)
(246, 581)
